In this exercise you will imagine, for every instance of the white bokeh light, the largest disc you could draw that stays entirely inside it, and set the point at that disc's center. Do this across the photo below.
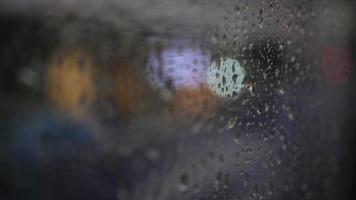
(181, 65)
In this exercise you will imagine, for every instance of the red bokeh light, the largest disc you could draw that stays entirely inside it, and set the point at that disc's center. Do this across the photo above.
(336, 64)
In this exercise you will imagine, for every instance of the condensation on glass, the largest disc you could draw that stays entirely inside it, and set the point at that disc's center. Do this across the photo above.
(160, 100)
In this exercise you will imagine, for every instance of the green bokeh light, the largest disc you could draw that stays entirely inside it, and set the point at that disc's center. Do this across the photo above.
(225, 78)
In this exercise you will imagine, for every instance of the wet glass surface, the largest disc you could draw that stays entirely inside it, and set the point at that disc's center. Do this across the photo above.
(144, 100)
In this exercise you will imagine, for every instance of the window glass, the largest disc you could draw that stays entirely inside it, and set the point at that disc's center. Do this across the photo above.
(168, 99)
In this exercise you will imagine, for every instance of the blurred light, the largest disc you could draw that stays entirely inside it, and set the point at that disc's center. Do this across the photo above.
(179, 65)
(69, 81)
(336, 64)
(194, 102)
(225, 77)
(29, 77)
(131, 90)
